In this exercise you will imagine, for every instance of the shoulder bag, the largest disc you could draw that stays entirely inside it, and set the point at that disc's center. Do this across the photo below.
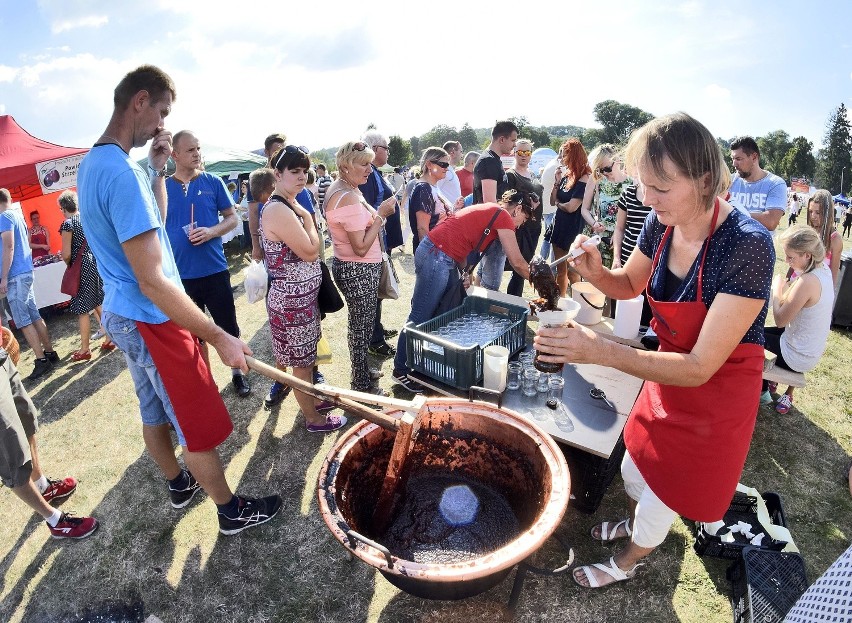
(71, 278)
(388, 282)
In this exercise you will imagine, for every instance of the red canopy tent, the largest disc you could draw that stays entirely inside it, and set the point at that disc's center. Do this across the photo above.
(34, 170)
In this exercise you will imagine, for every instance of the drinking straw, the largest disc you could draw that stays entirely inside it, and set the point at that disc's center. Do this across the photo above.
(191, 215)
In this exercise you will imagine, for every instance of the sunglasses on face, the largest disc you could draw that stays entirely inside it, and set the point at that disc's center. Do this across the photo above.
(385, 147)
(440, 163)
(604, 170)
(524, 152)
(290, 149)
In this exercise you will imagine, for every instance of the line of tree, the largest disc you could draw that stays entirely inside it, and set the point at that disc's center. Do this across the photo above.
(779, 153)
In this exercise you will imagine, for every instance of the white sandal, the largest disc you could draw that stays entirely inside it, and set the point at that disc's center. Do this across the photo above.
(612, 570)
(609, 529)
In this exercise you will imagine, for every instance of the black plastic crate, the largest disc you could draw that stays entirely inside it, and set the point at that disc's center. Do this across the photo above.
(765, 585)
(591, 475)
(455, 365)
(743, 508)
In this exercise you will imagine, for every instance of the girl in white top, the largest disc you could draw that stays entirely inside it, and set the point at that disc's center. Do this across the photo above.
(801, 308)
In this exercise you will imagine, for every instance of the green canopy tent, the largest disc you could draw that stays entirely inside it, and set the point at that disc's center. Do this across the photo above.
(223, 161)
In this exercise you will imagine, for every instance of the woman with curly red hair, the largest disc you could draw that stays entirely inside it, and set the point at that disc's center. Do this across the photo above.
(567, 195)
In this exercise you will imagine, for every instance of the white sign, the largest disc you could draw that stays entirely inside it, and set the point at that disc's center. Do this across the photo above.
(59, 174)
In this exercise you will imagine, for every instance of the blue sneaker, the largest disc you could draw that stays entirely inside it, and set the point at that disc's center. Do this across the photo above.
(766, 398)
(277, 393)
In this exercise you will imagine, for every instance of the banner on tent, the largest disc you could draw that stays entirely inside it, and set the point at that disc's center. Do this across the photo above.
(58, 174)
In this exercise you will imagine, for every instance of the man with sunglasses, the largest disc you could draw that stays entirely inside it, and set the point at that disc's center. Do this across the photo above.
(450, 186)
(196, 199)
(489, 184)
(375, 191)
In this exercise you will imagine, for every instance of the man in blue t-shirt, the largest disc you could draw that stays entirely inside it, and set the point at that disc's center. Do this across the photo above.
(16, 283)
(489, 184)
(196, 199)
(146, 312)
(754, 191)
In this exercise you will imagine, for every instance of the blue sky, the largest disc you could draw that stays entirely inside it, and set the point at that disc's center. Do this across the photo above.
(320, 72)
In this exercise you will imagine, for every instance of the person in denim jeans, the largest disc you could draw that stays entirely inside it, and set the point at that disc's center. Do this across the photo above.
(146, 311)
(16, 283)
(445, 248)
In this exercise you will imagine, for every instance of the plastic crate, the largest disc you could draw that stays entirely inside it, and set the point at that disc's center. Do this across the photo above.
(455, 365)
(591, 475)
(765, 585)
(743, 508)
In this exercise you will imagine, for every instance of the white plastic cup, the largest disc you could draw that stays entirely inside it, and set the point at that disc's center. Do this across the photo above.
(495, 365)
(628, 315)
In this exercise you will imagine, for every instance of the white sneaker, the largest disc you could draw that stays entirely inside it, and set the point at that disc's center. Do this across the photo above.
(98, 335)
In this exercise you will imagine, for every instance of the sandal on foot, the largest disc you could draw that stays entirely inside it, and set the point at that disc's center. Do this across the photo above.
(611, 569)
(609, 529)
(84, 356)
(108, 346)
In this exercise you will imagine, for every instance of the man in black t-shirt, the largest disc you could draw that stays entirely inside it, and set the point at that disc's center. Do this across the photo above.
(489, 184)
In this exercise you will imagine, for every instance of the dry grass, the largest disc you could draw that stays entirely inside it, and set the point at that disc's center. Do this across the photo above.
(177, 564)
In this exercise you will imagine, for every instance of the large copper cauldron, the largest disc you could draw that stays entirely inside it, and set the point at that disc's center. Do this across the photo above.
(473, 440)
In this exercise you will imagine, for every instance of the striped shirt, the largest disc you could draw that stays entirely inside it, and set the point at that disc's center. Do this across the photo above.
(636, 214)
(323, 183)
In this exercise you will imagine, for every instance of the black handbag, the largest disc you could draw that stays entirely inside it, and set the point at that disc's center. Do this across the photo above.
(328, 298)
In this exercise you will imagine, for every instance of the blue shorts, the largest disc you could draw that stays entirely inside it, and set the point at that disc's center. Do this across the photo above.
(22, 301)
(154, 403)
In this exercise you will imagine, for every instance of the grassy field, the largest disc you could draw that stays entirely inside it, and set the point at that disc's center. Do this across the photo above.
(175, 565)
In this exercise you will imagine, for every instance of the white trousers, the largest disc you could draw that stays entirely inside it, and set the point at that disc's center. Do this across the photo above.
(653, 518)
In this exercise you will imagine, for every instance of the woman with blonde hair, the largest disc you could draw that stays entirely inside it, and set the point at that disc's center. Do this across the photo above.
(821, 217)
(357, 263)
(426, 205)
(707, 270)
(801, 307)
(600, 201)
(521, 178)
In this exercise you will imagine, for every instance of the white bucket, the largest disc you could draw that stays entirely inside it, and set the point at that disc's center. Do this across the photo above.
(628, 314)
(591, 302)
(495, 366)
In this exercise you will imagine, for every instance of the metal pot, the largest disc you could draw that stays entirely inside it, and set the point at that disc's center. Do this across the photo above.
(472, 440)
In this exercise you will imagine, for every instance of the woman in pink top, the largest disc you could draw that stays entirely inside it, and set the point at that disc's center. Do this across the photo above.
(821, 217)
(357, 264)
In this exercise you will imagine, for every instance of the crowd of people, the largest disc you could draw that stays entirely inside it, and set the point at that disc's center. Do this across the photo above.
(675, 226)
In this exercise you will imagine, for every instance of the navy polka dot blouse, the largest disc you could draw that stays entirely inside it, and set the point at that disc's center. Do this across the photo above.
(740, 261)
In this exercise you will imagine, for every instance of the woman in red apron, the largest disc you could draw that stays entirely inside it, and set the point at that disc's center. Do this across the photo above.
(707, 270)
(39, 239)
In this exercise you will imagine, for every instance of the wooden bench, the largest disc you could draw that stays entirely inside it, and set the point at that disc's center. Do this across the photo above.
(782, 376)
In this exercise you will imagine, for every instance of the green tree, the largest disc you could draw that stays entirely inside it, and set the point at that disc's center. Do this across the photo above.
(617, 120)
(414, 144)
(467, 138)
(400, 151)
(835, 158)
(439, 135)
(773, 147)
(799, 160)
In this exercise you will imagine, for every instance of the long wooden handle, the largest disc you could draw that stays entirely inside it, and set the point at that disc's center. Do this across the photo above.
(409, 406)
(371, 415)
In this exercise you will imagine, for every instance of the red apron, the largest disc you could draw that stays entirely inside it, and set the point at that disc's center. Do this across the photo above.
(690, 443)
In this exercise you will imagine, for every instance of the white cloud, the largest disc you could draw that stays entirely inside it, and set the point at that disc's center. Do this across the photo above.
(7, 74)
(90, 21)
(717, 92)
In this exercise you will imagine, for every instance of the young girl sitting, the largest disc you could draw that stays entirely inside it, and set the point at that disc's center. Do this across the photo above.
(801, 307)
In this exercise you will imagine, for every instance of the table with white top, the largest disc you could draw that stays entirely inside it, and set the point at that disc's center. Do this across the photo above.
(594, 448)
